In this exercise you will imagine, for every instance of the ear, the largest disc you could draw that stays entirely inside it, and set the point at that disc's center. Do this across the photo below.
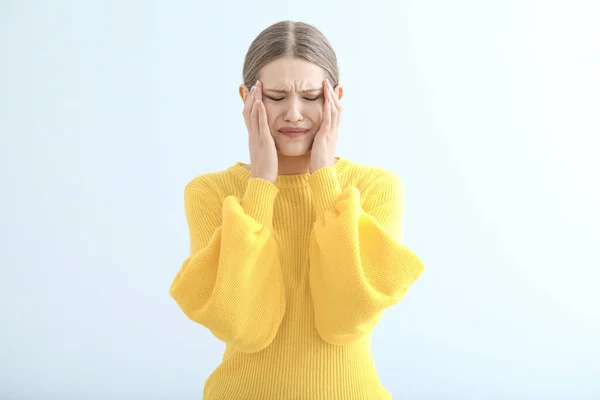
(244, 91)
(339, 91)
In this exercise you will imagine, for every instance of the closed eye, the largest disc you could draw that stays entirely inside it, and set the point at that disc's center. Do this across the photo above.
(306, 98)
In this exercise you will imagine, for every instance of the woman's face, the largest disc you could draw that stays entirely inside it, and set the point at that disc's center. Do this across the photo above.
(293, 98)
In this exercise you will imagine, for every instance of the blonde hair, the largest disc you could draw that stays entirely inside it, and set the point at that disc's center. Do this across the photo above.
(289, 38)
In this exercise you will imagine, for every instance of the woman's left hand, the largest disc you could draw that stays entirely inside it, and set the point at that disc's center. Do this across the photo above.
(323, 149)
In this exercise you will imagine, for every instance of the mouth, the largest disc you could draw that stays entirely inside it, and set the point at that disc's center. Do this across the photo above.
(293, 133)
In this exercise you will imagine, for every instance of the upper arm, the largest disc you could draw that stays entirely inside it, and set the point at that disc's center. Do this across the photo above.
(203, 210)
(384, 201)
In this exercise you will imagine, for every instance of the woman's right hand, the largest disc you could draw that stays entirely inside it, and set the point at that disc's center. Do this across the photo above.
(263, 153)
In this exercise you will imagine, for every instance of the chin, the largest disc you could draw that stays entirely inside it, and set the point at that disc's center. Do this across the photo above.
(293, 152)
(293, 149)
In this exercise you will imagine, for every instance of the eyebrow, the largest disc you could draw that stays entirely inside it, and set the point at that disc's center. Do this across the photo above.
(285, 91)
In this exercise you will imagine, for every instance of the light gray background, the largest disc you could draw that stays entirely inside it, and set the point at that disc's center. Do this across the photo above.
(488, 110)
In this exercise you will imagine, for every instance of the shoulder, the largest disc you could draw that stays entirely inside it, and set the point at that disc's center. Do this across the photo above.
(367, 177)
(377, 186)
(201, 182)
(213, 183)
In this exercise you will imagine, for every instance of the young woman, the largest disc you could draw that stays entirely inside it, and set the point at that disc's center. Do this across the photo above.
(294, 257)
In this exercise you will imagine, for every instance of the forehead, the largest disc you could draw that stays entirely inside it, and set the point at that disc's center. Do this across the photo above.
(292, 74)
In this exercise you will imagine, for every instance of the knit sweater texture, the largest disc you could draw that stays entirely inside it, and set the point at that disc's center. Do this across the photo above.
(293, 277)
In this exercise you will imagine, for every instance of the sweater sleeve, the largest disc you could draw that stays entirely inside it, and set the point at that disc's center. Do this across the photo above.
(359, 267)
(232, 283)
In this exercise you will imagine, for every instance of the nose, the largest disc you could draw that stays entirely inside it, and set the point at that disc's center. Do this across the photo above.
(294, 111)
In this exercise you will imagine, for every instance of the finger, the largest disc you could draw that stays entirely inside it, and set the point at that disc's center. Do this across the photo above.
(326, 122)
(336, 100)
(248, 106)
(252, 134)
(257, 102)
(263, 123)
(259, 105)
(254, 129)
(338, 106)
(333, 106)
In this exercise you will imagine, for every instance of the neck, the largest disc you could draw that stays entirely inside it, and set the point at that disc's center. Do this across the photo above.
(294, 165)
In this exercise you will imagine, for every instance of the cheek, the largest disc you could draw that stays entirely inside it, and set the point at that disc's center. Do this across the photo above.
(316, 112)
(271, 113)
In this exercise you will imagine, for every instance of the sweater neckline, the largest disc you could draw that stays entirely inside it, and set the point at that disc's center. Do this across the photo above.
(286, 181)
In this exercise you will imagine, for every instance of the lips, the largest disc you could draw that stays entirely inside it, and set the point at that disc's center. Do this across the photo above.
(293, 130)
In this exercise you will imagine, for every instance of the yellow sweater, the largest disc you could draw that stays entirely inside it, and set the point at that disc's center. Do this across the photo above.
(293, 276)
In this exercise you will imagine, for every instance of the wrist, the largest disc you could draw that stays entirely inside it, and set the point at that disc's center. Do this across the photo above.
(326, 189)
(316, 167)
(268, 179)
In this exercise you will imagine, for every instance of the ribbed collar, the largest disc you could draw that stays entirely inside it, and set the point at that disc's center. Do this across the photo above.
(287, 181)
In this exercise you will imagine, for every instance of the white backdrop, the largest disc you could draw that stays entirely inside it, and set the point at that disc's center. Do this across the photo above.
(488, 110)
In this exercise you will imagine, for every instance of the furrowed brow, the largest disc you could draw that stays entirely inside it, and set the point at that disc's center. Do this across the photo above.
(285, 91)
